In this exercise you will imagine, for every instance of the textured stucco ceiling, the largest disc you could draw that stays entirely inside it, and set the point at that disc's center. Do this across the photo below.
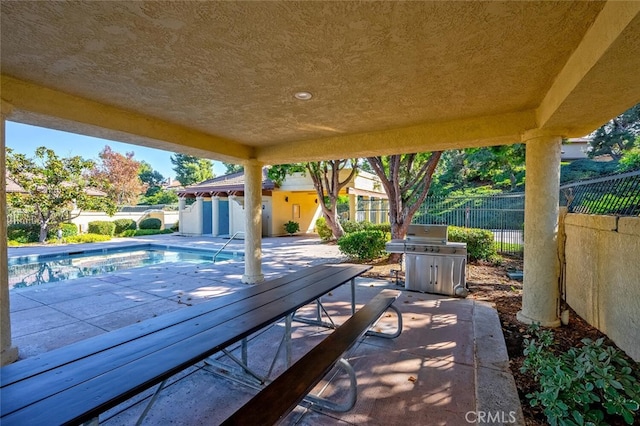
(229, 69)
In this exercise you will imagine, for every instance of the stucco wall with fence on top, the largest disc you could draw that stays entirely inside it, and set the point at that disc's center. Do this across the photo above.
(603, 275)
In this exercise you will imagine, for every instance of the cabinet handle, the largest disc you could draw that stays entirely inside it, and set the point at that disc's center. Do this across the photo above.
(436, 274)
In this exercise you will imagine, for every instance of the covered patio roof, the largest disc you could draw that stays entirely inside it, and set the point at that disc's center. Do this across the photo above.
(218, 79)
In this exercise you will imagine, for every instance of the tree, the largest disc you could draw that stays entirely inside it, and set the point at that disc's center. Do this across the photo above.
(617, 135)
(630, 160)
(406, 180)
(162, 196)
(117, 175)
(326, 181)
(55, 188)
(151, 179)
(498, 166)
(190, 170)
(233, 168)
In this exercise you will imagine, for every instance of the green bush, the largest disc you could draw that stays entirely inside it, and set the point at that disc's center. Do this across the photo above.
(291, 227)
(87, 238)
(24, 233)
(578, 386)
(123, 225)
(150, 223)
(480, 242)
(101, 227)
(323, 229)
(350, 226)
(363, 245)
(68, 230)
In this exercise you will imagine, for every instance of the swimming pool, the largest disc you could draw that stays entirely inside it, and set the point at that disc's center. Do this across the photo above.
(30, 271)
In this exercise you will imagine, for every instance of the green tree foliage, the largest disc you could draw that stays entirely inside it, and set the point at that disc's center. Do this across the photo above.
(232, 168)
(406, 180)
(151, 179)
(631, 159)
(163, 196)
(190, 170)
(500, 167)
(55, 188)
(617, 135)
(278, 173)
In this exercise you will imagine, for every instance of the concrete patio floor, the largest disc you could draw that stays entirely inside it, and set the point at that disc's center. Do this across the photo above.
(449, 366)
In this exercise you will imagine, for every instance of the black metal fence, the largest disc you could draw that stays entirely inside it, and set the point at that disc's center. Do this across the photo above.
(501, 214)
(611, 195)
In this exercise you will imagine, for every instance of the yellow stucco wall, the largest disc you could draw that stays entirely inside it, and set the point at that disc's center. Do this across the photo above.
(603, 275)
(283, 211)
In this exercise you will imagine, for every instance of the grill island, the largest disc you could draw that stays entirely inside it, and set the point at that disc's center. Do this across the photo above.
(432, 264)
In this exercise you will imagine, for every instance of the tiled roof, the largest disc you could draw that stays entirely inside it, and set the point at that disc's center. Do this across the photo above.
(233, 182)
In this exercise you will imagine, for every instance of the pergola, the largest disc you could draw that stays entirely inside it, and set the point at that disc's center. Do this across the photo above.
(222, 80)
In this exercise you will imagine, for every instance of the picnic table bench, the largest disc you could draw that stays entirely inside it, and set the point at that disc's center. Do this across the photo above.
(75, 383)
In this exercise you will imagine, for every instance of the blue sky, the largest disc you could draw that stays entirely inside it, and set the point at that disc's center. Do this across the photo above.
(25, 139)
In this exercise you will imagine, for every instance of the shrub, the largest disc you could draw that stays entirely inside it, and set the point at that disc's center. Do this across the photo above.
(101, 227)
(176, 226)
(24, 233)
(150, 223)
(480, 243)
(579, 385)
(291, 227)
(68, 230)
(123, 225)
(350, 226)
(87, 238)
(323, 229)
(363, 245)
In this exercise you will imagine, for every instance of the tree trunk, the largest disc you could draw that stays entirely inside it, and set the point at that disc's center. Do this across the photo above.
(43, 232)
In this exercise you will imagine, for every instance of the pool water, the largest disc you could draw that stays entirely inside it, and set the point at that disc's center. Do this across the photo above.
(30, 272)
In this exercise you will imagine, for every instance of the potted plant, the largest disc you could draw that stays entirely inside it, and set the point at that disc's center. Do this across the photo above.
(291, 227)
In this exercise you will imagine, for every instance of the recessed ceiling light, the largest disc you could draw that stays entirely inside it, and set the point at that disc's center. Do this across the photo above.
(303, 96)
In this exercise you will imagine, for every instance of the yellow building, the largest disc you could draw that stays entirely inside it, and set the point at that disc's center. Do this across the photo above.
(218, 209)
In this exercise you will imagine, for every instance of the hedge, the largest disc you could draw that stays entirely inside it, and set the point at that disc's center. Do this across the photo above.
(150, 223)
(323, 229)
(363, 245)
(87, 238)
(123, 225)
(480, 243)
(102, 227)
(23, 233)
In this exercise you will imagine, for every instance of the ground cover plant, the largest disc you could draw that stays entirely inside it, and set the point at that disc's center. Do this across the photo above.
(581, 385)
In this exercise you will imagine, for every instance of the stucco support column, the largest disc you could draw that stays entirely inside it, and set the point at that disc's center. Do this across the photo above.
(540, 295)
(367, 208)
(182, 203)
(353, 205)
(253, 222)
(8, 352)
(199, 215)
(215, 215)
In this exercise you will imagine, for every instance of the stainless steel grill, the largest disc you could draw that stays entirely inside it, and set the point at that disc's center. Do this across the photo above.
(432, 264)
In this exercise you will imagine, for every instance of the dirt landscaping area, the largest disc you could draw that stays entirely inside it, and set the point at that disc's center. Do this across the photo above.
(491, 283)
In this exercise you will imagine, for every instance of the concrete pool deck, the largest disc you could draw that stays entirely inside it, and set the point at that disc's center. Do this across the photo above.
(448, 367)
